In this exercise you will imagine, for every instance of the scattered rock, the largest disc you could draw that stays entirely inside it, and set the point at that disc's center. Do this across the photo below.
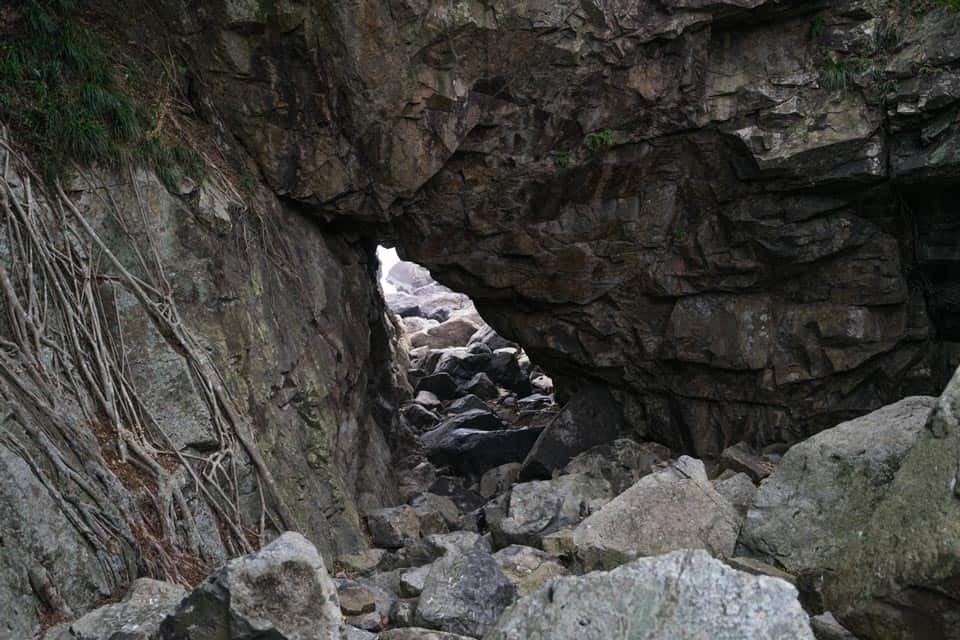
(363, 562)
(499, 479)
(282, 591)
(428, 400)
(355, 599)
(415, 633)
(684, 595)
(383, 601)
(741, 457)
(759, 568)
(621, 462)
(467, 403)
(419, 416)
(471, 452)
(481, 386)
(487, 336)
(826, 627)
(454, 332)
(393, 527)
(437, 514)
(419, 479)
(136, 617)
(673, 509)
(442, 385)
(559, 544)
(534, 509)
(412, 581)
(528, 568)
(464, 593)
(403, 612)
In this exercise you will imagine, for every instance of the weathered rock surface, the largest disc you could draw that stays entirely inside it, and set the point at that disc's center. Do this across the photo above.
(684, 595)
(621, 462)
(464, 593)
(900, 578)
(739, 490)
(393, 527)
(674, 509)
(535, 509)
(283, 591)
(136, 617)
(528, 568)
(826, 489)
(415, 633)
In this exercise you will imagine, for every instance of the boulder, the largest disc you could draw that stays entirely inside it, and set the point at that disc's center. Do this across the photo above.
(416, 480)
(899, 576)
(373, 618)
(504, 369)
(415, 324)
(363, 562)
(467, 403)
(393, 527)
(684, 595)
(739, 490)
(621, 462)
(419, 416)
(408, 276)
(528, 568)
(742, 458)
(355, 598)
(499, 479)
(534, 509)
(137, 617)
(821, 497)
(403, 612)
(482, 419)
(464, 593)
(456, 489)
(487, 336)
(471, 452)
(428, 400)
(437, 514)
(412, 581)
(414, 633)
(461, 363)
(454, 332)
(591, 418)
(676, 508)
(442, 385)
(481, 386)
(282, 592)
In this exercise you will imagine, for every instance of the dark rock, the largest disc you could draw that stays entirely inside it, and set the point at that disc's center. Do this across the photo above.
(478, 348)
(504, 369)
(464, 593)
(472, 452)
(466, 403)
(428, 400)
(403, 612)
(454, 488)
(621, 462)
(481, 386)
(437, 514)
(355, 599)
(488, 337)
(419, 416)
(591, 418)
(137, 617)
(461, 364)
(499, 479)
(440, 384)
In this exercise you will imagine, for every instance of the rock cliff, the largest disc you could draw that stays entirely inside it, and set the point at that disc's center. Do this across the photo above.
(739, 213)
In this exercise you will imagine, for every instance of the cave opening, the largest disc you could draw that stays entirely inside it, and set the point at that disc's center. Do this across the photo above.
(478, 401)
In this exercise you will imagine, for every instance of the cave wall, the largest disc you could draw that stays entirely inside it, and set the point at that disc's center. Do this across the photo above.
(289, 315)
(743, 258)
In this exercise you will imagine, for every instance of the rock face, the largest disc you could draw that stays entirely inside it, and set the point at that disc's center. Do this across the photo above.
(281, 592)
(825, 490)
(229, 350)
(899, 578)
(673, 509)
(684, 595)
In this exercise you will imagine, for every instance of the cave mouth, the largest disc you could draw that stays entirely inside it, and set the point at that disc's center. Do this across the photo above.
(478, 402)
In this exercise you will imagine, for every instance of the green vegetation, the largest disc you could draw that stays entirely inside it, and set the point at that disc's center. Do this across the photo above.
(58, 89)
(680, 234)
(952, 5)
(561, 160)
(838, 75)
(598, 140)
(818, 27)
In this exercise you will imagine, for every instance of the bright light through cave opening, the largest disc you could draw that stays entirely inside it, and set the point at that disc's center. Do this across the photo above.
(479, 402)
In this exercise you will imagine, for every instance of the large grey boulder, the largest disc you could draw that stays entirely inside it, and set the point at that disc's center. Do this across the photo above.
(136, 617)
(673, 509)
(684, 595)
(454, 332)
(739, 490)
(464, 593)
(826, 489)
(899, 577)
(282, 592)
(534, 509)
(393, 527)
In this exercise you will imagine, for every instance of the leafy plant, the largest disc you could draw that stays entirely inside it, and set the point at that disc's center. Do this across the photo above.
(952, 5)
(818, 27)
(561, 160)
(58, 89)
(598, 140)
(838, 75)
(680, 234)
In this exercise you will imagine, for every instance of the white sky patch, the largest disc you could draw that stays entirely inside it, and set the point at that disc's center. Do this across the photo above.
(388, 258)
